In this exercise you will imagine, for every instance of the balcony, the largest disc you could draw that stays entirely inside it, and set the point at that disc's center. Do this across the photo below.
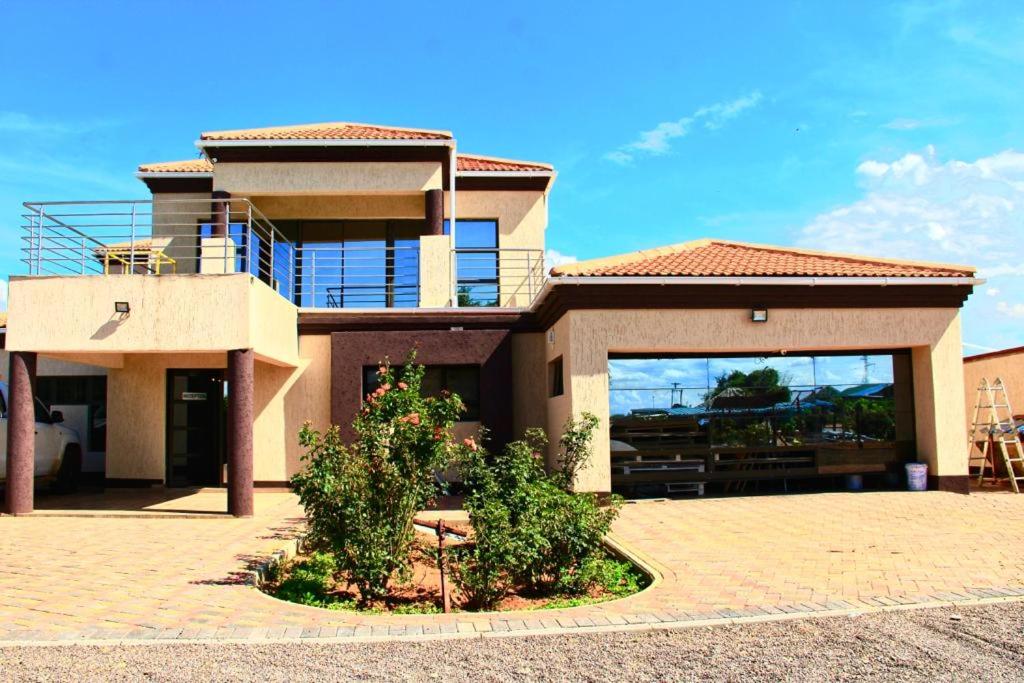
(223, 236)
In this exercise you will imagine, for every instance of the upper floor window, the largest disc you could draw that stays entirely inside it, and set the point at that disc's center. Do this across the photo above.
(476, 244)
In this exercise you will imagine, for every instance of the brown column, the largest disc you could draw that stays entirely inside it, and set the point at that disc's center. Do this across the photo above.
(435, 212)
(21, 433)
(241, 366)
(221, 216)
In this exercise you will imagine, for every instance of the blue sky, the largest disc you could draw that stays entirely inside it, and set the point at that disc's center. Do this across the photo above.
(894, 129)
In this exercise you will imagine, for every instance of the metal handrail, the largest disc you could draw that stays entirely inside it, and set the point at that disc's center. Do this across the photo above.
(121, 235)
(226, 235)
(498, 276)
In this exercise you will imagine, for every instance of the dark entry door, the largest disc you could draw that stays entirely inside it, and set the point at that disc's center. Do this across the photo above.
(195, 427)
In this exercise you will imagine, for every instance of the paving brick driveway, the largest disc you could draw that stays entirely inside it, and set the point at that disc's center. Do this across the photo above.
(124, 577)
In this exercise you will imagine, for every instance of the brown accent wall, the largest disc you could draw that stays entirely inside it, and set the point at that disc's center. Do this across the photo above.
(491, 349)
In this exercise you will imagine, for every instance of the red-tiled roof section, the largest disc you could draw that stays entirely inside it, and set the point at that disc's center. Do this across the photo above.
(188, 166)
(328, 131)
(475, 162)
(719, 258)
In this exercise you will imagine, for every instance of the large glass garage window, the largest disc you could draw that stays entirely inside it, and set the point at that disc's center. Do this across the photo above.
(758, 417)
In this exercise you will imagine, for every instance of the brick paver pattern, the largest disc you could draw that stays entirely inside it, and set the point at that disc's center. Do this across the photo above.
(68, 577)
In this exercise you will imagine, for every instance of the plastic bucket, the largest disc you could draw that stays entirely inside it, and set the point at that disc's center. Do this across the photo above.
(917, 476)
(854, 482)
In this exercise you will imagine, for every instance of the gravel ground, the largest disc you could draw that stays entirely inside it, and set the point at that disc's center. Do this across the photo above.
(975, 643)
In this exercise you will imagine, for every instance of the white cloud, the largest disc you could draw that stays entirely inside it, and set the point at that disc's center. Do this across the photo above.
(553, 257)
(3, 295)
(656, 141)
(1012, 310)
(715, 116)
(992, 291)
(914, 124)
(923, 208)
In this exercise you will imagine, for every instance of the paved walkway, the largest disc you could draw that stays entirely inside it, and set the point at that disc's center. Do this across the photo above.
(164, 577)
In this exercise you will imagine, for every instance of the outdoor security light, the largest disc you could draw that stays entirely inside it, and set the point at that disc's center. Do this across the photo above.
(759, 315)
(122, 307)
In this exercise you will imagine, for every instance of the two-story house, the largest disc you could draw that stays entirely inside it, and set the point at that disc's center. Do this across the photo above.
(263, 282)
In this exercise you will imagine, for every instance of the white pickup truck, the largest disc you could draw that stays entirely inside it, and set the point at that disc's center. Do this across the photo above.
(58, 448)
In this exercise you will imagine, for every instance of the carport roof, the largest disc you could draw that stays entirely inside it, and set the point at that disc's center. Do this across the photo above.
(724, 258)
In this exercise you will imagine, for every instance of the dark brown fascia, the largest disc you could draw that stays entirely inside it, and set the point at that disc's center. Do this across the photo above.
(347, 153)
(565, 297)
(178, 184)
(503, 183)
(561, 298)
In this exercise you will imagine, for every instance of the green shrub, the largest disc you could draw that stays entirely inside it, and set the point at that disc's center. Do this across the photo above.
(309, 581)
(360, 499)
(528, 527)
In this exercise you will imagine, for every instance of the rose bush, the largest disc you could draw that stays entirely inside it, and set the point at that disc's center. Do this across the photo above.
(360, 498)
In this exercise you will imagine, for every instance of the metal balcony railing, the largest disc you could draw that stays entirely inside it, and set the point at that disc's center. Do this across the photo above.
(349, 276)
(217, 236)
(162, 236)
(504, 277)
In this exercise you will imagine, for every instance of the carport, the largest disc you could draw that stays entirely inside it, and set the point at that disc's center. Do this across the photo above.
(716, 299)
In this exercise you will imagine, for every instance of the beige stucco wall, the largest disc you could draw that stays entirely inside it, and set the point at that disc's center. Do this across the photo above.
(52, 367)
(560, 408)
(178, 216)
(245, 178)
(169, 313)
(522, 219)
(529, 383)
(1008, 367)
(939, 413)
(136, 412)
(435, 271)
(329, 207)
(285, 399)
(585, 337)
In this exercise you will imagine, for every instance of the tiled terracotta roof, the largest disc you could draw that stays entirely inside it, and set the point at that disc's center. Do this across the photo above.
(3, 318)
(720, 258)
(188, 166)
(475, 162)
(328, 131)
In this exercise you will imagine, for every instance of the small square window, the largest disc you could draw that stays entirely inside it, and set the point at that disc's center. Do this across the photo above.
(556, 380)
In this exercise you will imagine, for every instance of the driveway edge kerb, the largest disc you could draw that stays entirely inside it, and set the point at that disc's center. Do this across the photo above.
(70, 639)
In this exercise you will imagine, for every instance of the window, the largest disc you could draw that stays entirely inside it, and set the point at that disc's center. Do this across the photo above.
(463, 380)
(477, 265)
(359, 264)
(556, 380)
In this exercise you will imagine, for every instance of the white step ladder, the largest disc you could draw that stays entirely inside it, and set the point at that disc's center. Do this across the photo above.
(995, 429)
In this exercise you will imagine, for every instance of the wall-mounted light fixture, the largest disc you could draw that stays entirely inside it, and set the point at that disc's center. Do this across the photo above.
(551, 337)
(122, 307)
(759, 315)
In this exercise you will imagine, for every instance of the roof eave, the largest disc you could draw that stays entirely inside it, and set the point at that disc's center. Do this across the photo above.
(203, 144)
(737, 281)
(142, 175)
(765, 280)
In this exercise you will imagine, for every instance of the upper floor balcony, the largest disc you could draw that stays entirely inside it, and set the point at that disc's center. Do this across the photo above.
(321, 264)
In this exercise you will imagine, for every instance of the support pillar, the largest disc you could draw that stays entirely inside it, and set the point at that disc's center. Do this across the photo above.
(21, 433)
(435, 212)
(241, 367)
(221, 215)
